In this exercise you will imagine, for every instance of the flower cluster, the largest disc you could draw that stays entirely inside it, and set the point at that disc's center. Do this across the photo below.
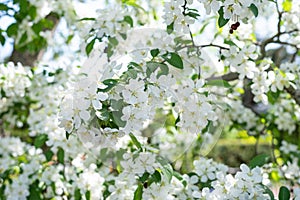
(246, 184)
(127, 100)
(175, 15)
(287, 114)
(231, 8)
(14, 83)
(207, 169)
(242, 60)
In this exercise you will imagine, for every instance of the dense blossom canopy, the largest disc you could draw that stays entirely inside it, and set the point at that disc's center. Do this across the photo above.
(126, 101)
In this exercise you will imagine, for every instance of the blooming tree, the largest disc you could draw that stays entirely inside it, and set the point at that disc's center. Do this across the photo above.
(126, 102)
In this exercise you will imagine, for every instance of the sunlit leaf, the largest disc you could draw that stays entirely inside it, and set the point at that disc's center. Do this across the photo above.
(287, 5)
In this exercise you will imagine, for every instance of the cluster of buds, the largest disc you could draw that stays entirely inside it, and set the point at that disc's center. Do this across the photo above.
(234, 27)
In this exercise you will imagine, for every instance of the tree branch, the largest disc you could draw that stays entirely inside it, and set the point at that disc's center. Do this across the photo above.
(226, 77)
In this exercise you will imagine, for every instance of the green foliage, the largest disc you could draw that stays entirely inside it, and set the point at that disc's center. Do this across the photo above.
(221, 20)
(254, 9)
(138, 194)
(135, 141)
(61, 155)
(167, 170)
(89, 46)
(170, 28)
(153, 66)
(35, 191)
(133, 4)
(284, 193)
(173, 59)
(110, 83)
(88, 195)
(116, 117)
(129, 20)
(219, 83)
(259, 160)
(154, 52)
(12, 30)
(155, 177)
(3, 7)
(193, 13)
(2, 39)
(269, 192)
(40, 140)
(77, 194)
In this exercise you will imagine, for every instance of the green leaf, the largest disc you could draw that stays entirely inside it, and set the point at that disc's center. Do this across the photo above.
(40, 140)
(87, 19)
(135, 141)
(272, 97)
(220, 83)
(3, 7)
(70, 37)
(254, 9)
(104, 116)
(268, 191)
(153, 66)
(144, 177)
(229, 42)
(133, 3)
(155, 177)
(222, 21)
(193, 15)
(113, 41)
(32, 12)
(88, 195)
(2, 39)
(90, 46)
(170, 28)
(77, 194)
(60, 155)
(132, 73)
(284, 193)
(138, 194)
(167, 170)
(203, 27)
(173, 59)
(129, 20)
(34, 192)
(164, 70)
(110, 83)
(67, 135)
(259, 160)
(117, 104)
(49, 154)
(23, 39)
(154, 52)
(12, 29)
(117, 118)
